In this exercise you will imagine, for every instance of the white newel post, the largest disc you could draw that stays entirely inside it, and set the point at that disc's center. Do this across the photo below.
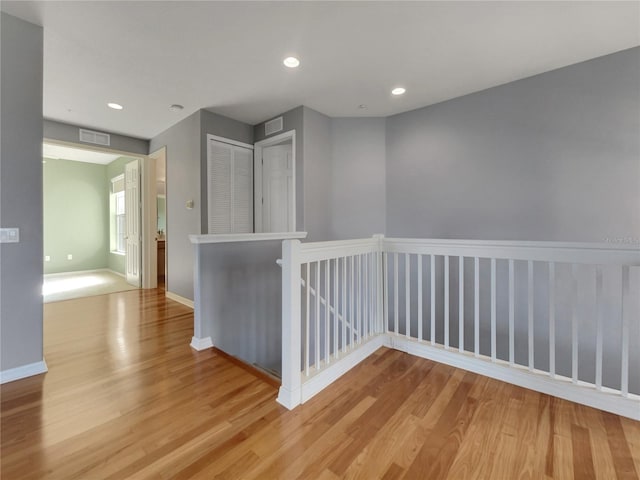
(290, 394)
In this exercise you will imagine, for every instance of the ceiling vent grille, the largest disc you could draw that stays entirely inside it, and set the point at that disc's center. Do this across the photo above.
(273, 126)
(97, 138)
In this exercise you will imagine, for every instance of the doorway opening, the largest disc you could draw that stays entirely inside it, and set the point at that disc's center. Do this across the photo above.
(161, 234)
(92, 222)
(275, 183)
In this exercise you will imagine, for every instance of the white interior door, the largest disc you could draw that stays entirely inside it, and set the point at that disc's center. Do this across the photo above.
(132, 215)
(277, 189)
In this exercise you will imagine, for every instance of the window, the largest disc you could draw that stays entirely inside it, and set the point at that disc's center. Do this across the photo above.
(117, 214)
(120, 222)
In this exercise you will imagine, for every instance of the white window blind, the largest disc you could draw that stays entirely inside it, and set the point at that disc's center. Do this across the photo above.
(230, 188)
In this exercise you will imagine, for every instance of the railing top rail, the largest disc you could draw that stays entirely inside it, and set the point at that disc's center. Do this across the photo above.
(574, 252)
(315, 251)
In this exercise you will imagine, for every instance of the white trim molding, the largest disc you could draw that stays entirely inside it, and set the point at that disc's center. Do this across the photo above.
(244, 237)
(200, 344)
(177, 298)
(228, 141)
(560, 387)
(327, 376)
(24, 371)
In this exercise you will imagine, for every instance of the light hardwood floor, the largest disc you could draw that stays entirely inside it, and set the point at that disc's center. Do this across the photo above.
(125, 397)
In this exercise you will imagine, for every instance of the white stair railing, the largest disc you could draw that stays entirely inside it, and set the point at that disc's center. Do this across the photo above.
(331, 310)
(559, 318)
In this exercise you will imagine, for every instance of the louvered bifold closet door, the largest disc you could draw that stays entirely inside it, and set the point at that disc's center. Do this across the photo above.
(230, 185)
(242, 191)
(219, 183)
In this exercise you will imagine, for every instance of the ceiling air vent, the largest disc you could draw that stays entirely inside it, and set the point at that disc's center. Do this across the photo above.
(273, 126)
(97, 138)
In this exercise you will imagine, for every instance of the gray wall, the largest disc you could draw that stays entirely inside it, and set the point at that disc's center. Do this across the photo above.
(291, 120)
(21, 191)
(551, 157)
(65, 132)
(214, 124)
(241, 303)
(183, 183)
(317, 175)
(357, 192)
(186, 180)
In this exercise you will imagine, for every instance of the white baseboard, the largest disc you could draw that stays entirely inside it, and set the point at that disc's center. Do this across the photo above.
(289, 399)
(76, 272)
(580, 392)
(326, 377)
(177, 298)
(116, 273)
(201, 343)
(23, 372)
(562, 387)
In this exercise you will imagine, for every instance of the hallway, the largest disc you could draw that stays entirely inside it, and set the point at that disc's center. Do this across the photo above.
(126, 397)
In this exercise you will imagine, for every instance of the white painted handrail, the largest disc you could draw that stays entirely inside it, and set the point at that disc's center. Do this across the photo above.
(543, 315)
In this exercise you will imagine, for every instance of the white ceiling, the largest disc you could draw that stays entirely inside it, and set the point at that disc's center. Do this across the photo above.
(77, 154)
(227, 56)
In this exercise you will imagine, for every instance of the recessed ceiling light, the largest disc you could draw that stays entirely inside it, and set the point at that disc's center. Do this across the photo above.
(176, 108)
(398, 91)
(291, 62)
(115, 106)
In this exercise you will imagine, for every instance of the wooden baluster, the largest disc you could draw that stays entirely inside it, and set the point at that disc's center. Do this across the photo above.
(344, 304)
(307, 360)
(624, 371)
(461, 303)
(574, 323)
(336, 304)
(494, 339)
(599, 314)
(386, 292)
(352, 299)
(432, 265)
(512, 314)
(530, 333)
(395, 293)
(446, 302)
(552, 319)
(476, 305)
(327, 311)
(420, 319)
(317, 319)
(407, 295)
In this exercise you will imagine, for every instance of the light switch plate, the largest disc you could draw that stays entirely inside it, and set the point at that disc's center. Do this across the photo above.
(9, 235)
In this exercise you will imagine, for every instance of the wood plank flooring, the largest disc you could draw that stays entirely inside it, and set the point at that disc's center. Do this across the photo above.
(126, 397)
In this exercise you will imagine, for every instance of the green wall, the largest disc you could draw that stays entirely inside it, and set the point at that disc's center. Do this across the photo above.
(76, 215)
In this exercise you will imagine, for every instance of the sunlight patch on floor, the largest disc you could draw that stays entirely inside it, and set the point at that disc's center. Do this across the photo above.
(65, 286)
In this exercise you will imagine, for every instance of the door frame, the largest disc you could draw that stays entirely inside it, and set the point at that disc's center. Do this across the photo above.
(149, 209)
(152, 198)
(133, 205)
(257, 176)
